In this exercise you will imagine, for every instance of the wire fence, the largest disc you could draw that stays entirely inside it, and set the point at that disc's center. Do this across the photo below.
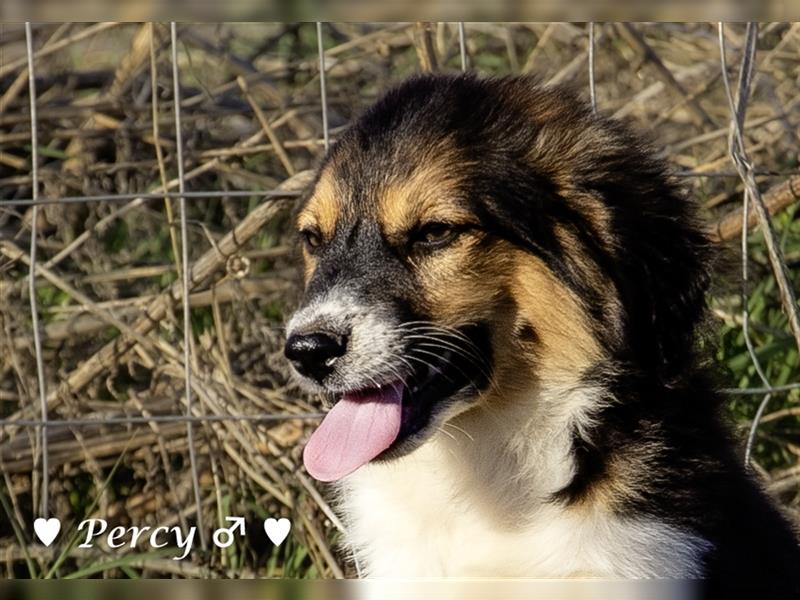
(188, 418)
(753, 202)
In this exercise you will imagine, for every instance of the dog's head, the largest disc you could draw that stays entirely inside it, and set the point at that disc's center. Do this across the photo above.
(468, 241)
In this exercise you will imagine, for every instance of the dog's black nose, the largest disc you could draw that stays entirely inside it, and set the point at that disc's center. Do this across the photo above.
(313, 354)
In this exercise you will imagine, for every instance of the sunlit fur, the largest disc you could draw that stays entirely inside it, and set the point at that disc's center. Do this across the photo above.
(583, 438)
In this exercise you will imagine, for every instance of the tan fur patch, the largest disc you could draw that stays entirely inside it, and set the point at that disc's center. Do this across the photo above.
(514, 290)
(323, 207)
(459, 282)
(428, 195)
(566, 344)
(589, 272)
(510, 289)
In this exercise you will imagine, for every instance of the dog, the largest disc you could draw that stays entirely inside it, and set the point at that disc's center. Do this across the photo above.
(503, 292)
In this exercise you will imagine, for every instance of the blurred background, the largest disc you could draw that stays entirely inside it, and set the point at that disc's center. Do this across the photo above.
(108, 280)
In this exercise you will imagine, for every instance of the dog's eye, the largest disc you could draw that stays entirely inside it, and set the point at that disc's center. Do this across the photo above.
(311, 238)
(434, 235)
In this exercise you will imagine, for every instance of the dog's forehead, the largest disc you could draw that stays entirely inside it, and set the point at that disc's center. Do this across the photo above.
(419, 185)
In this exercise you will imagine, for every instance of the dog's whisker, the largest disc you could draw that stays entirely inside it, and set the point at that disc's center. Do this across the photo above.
(447, 433)
(449, 363)
(433, 367)
(431, 326)
(401, 358)
(444, 334)
(444, 344)
(430, 342)
(457, 428)
(479, 360)
(451, 333)
(385, 363)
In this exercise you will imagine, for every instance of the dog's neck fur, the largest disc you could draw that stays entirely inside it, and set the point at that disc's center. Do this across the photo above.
(481, 490)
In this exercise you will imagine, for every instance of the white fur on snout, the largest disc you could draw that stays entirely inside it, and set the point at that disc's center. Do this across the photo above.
(373, 355)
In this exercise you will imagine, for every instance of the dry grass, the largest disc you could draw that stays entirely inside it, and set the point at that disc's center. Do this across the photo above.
(108, 289)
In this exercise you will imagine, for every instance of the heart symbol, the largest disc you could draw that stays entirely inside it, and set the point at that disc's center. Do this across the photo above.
(47, 529)
(277, 530)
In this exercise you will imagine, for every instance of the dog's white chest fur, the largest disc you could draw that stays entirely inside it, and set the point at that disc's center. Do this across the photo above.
(412, 518)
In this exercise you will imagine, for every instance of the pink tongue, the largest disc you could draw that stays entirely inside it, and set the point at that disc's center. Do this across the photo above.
(357, 429)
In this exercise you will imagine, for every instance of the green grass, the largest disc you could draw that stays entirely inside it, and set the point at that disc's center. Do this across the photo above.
(774, 347)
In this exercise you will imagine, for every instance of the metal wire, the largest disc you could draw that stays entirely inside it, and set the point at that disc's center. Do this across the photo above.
(239, 194)
(744, 167)
(746, 333)
(273, 194)
(187, 323)
(745, 260)
(757, 391)
(592, 95)
(740, 159)
(37, 340)
(140, 419)
(323, 93)
(462, 45)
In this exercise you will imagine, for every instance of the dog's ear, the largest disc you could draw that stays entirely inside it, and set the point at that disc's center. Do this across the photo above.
(663, 254)
(670, 278)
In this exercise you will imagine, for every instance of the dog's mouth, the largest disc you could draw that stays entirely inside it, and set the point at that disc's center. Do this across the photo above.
(388, 420)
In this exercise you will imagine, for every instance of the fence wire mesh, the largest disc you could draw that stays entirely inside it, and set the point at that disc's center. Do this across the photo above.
(124, 411)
